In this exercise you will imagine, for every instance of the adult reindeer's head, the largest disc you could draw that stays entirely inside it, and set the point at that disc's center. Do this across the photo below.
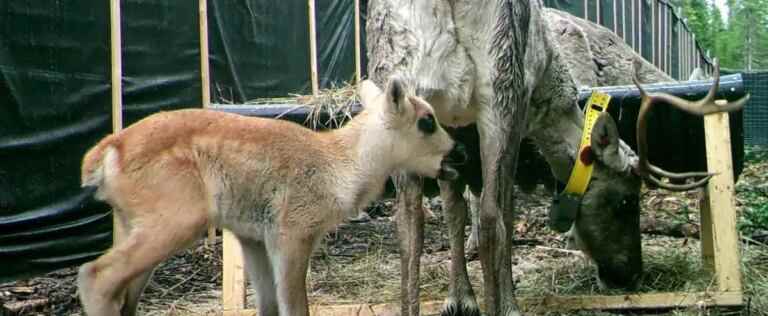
(607, 227)
(418, 39)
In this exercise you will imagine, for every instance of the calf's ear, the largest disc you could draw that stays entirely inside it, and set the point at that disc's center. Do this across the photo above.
(396, 94)
(368, 92)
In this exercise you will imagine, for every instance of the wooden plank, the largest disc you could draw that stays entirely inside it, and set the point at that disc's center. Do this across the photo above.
(233, 275)
(721, 201)
(632, 302)
(313, 47)
(358, 44)
(427, 308)
(550, 304)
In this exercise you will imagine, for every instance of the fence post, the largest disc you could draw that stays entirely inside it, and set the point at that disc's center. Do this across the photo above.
(313, 47)
(116, 61)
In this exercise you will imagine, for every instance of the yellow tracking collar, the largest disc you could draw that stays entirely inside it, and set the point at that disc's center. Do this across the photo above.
(582, 173)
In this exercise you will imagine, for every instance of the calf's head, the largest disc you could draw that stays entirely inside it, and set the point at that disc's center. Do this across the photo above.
(409, 131)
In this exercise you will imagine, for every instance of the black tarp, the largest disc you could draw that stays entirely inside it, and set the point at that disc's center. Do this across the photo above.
(55, 97)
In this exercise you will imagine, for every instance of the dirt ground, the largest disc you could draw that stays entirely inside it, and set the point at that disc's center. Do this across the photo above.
(359, 263)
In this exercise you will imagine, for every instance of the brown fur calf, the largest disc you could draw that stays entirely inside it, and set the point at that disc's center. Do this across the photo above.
(277, 186)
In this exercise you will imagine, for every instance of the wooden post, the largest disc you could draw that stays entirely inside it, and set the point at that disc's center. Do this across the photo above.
(724, 237)
(654, 32)
(640, 27)
(313, 47)
(632, 24)
(233, 274)
(616, 20)
(116, 61)
(117, 65)
(205, 81)
(598, 19)
(204, 65)
(358, 61)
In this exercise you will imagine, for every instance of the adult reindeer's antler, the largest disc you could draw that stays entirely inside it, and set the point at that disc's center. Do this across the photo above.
(707, 105)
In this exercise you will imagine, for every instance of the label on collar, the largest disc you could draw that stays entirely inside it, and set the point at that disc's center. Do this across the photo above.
(565, 206)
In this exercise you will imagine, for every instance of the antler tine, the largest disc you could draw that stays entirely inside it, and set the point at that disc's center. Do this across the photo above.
(678, 187)
(706, 105)
(715, 83)
(672, 175)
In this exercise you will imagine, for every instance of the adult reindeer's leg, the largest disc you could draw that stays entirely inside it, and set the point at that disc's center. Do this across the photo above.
(501, 128)
(499, 155)
(461, 298)
(410, 230)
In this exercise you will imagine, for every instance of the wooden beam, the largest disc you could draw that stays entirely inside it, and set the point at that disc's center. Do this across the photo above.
(233, 274)
(550, 304)
(313, 48)
(427, 308)
(721, 202)
(358, 44)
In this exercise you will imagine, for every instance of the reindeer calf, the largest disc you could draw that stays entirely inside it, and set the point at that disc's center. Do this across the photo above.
(278, 186)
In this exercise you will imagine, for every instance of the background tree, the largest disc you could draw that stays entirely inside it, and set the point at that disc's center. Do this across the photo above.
(740, 41)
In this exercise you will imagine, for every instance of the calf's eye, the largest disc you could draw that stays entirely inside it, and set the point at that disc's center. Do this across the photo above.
(427, 124)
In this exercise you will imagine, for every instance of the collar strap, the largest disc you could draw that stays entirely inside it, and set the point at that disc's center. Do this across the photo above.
(582, 169)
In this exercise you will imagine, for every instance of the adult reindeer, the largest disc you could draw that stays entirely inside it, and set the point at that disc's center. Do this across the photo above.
(526, 88)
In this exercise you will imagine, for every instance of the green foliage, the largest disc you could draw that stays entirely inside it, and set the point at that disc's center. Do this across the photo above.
(752, 192)
(740, 40)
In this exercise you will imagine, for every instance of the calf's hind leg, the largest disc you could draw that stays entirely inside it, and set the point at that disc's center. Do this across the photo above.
(114, 279)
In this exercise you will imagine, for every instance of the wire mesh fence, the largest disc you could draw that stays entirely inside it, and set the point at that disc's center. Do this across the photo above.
(654, 28)
(756, 110)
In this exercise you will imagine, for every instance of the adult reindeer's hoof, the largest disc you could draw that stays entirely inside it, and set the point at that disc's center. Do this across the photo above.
(466, 308)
